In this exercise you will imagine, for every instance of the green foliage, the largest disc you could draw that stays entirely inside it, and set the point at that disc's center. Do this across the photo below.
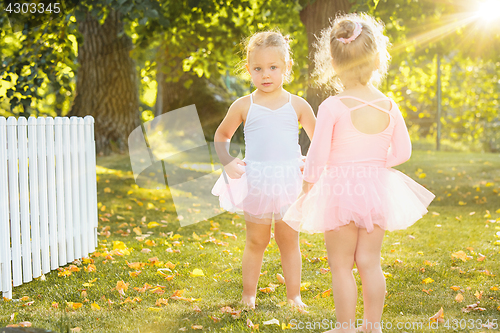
(41, 60)
(38, 61)
(364, 5)
(418, 31)
(470, 99)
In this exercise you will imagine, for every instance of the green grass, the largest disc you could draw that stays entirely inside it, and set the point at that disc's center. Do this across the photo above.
(453, 177)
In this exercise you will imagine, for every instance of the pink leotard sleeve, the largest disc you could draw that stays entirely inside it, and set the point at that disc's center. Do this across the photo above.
(400, 149)
(319, 150)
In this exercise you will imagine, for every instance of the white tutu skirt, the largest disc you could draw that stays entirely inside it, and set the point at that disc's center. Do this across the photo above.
(264, 191)
(367, 196)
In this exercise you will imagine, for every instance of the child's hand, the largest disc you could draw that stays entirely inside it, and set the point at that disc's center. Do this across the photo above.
(302, 166)
(233, 169)
(306, 186)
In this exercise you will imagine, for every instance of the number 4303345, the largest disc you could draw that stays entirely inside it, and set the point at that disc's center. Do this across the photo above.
(27, 7)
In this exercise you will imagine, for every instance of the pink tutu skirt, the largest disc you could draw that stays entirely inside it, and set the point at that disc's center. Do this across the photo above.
(265, 190)
(364, 195)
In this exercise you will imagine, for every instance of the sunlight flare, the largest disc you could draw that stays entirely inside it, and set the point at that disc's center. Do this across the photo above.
(489, 10)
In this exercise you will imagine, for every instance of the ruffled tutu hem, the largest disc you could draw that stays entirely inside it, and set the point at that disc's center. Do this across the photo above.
(264, 191)
(367, 196)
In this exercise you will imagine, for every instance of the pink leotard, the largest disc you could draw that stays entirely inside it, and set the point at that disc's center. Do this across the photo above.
(352, 173)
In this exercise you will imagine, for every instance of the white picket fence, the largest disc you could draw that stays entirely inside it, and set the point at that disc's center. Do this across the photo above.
(48, 196)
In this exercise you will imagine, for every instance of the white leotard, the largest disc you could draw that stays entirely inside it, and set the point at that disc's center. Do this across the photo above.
(271, 135)
(272, 178)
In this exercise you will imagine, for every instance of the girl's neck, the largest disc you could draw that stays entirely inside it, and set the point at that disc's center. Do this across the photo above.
(355, 85)
(269, 95)
(366, 92)
(272, 100)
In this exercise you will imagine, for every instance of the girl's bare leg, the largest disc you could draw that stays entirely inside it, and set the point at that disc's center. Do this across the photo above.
(367, 260)
(341, 248)
(291, 261)
(257, 239)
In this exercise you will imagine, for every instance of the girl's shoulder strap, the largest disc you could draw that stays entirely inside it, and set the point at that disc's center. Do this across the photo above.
(370, 103)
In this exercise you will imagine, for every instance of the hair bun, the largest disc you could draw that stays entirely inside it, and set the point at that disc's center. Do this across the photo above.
(344, 29)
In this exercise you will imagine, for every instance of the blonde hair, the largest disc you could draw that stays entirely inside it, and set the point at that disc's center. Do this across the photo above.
(270, 39)
(365, 58)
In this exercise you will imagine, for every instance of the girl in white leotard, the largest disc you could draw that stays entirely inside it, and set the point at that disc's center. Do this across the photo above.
(268, 180)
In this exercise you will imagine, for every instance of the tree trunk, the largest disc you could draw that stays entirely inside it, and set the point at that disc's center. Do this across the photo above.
(170, 79)
(315, 17)
(106, 85)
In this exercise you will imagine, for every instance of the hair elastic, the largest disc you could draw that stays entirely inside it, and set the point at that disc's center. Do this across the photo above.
(355, 34)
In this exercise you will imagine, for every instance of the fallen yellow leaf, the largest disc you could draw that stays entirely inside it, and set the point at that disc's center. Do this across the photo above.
(64, 273)
(153, 224)
(170, 265)
(197, 272)
(271, 322)
(439, 316)
(136, 265)
(460, 255)
(121, 286)
(74, 306)
(304, 286)
(161, 301)
(267, 290)
(134, 274)
(154, 309)
(90, 268)
(326, 293)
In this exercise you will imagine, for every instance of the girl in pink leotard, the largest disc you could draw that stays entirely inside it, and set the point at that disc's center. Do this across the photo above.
(350, 192)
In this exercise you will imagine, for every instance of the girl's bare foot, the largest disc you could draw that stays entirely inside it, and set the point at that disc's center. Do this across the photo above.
(248, 301)
(297, 301)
